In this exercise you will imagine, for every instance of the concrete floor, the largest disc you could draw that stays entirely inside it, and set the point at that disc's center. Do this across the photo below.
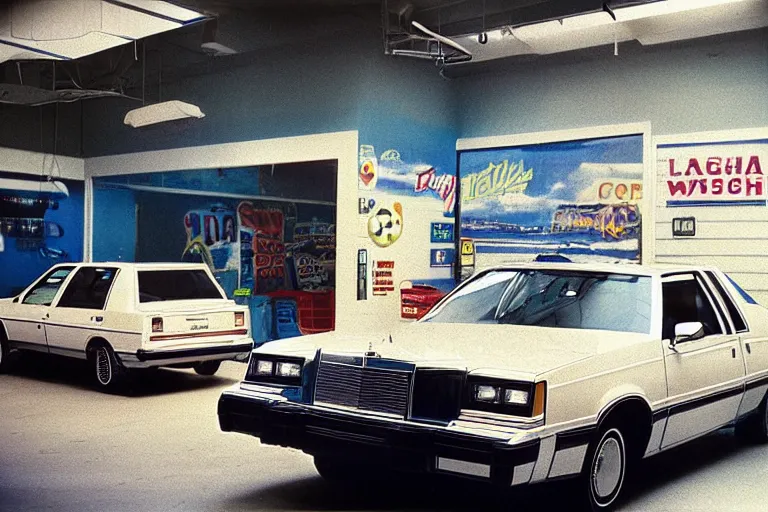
(64, 447)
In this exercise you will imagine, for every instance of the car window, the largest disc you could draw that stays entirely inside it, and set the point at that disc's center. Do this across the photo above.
(551, 298)
(738, 319)
(88, 288)
(162, 285)
(45, 291)
(684, 300)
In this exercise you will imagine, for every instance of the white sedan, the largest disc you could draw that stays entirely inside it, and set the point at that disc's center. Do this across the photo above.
(126, 315)
(522, 374)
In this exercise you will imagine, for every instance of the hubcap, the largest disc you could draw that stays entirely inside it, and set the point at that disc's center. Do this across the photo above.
(103, 366)
(607, 470)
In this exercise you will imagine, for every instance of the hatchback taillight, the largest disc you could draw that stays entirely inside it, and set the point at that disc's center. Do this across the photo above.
(157, 324)
(239, 319)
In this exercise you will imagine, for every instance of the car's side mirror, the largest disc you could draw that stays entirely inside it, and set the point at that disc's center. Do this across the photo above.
(687, 331)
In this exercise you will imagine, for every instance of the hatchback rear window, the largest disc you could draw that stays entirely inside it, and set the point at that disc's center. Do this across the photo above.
(163, 285)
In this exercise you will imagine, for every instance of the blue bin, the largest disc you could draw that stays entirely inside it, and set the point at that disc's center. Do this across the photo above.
(261, 319)
(286, 325)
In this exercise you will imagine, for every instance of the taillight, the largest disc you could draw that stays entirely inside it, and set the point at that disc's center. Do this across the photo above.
(157, 324)
(239, 319)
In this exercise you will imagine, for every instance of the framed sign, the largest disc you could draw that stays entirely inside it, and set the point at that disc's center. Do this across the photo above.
(721, 172)
(684, 226)
(442, 257)
(441, 232)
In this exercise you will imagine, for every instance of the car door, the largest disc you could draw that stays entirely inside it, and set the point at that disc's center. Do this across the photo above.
(705, 376)
(26, 322)
(79, 312)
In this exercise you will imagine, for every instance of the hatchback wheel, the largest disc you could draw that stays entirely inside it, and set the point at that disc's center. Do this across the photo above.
(109, 373)
(4, 353)
(207, 367)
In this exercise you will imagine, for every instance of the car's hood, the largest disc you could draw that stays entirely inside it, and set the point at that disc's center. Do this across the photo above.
(484, 348)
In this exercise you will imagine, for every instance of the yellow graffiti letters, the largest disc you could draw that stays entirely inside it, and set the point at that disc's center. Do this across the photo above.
(495, 180)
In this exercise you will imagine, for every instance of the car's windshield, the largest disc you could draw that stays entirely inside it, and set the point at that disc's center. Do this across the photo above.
(551, 298)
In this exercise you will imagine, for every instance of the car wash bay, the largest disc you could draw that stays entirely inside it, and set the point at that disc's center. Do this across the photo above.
(161, 449)
(309, 131)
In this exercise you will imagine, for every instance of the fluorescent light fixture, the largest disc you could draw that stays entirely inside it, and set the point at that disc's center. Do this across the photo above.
(662, 7)
(217, 49)
(162, 112)
(70, 29)
(38, 187)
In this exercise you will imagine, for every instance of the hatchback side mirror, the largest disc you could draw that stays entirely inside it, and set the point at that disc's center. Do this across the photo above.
(687, 331)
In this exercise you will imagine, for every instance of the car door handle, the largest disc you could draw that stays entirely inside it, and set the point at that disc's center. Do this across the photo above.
(97, 319)
(749, 349)
(733, 353)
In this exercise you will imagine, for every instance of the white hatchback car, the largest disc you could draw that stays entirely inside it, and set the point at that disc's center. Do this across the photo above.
(522, 374)
(127, 315)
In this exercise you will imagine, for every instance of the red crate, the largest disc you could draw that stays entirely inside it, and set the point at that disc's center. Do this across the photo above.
(316, 310)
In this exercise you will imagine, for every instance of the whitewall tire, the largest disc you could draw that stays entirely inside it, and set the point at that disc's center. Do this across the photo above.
(606, 470)
(108, 373)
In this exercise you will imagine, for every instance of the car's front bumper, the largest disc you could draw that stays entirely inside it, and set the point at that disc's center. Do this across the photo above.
(398, 444)
(142, 358)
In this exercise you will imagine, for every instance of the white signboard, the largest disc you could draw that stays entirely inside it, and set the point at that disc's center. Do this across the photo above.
(713, 174)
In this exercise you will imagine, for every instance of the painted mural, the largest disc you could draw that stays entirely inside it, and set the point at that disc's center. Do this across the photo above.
(406, 210)
(41, 224)
(579, 199)
(268, 254)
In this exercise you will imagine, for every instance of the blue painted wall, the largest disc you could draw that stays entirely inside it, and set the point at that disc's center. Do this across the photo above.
(114, 225)
(18, 268)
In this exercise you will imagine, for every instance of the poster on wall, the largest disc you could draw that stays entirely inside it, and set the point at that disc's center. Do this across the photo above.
(41, 224)
(727, 173)
(580, 199)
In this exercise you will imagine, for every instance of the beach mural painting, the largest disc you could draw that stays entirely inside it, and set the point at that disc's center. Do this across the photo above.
(580, 199)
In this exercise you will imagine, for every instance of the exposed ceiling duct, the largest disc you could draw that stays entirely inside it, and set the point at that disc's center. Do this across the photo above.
(651, 23)
(35, 96)
(494, 29)
(71, 29)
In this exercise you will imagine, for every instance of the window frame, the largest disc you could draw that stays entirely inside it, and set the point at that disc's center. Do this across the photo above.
(203, 268)
(41, 280)
(699, 279)
(115, 270)
(727, 298)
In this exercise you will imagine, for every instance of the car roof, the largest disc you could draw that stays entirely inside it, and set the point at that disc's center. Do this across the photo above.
(608, 268)
(141, 266)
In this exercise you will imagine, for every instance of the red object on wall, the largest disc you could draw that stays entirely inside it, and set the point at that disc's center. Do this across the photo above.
(416, 302)
(316, 310)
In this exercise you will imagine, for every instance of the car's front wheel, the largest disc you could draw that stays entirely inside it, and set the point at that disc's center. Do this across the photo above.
(606, 469)
(109, 374)
(207, 367)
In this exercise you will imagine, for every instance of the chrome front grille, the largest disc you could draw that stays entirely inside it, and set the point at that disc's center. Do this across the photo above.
(364, 384)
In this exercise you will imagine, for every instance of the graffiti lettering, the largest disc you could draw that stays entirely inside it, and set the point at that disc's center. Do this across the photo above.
(716, 165)
(621, 191)
(753, 186)
(614, 221)
(497, 179)
(444, 186)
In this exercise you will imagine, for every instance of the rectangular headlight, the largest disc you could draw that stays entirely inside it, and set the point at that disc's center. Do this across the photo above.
(264, 367)
(516, 397)
(288, 369)
(486, 393)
